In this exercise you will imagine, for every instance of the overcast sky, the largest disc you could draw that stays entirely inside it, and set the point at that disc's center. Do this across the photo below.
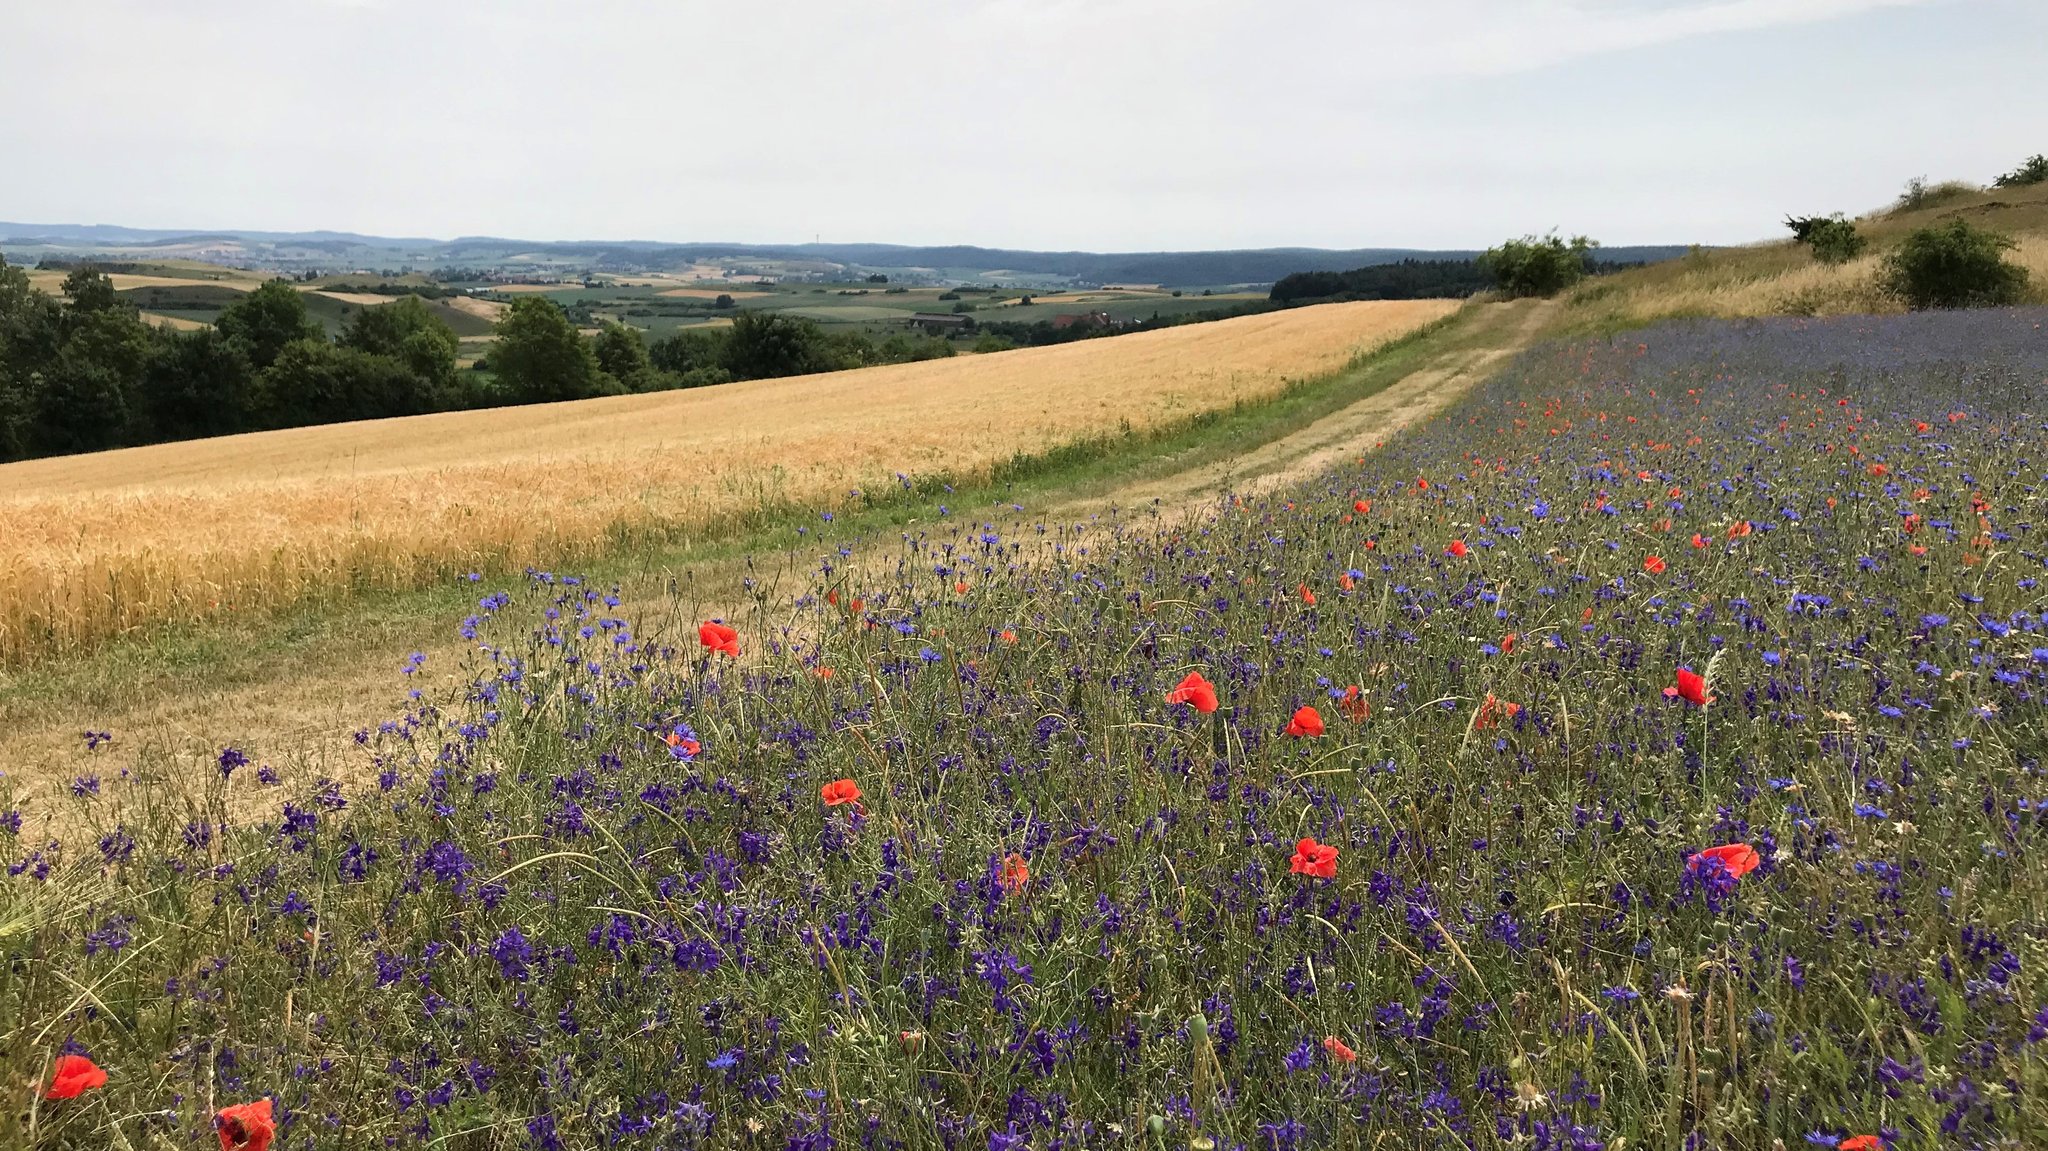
(1096, 124)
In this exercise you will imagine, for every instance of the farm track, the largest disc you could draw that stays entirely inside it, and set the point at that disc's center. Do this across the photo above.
(301, 712)
(1498, 333)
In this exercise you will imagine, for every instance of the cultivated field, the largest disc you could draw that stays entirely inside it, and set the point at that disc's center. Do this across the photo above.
(98, 545)
(1644, 751)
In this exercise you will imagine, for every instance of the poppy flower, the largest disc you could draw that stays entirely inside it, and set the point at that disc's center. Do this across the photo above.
(1308, 597)
(1738, 858)
(1860, 1143)
(1009, 636)
(826, 673)
(1338, 1050)
(1691, 687)
(1345, 582)
(1353, 705)
(1457, 548)
(682, 746)
(1196, 692)
(1654, 565)
(832, 596)
(1507, 643)
(1493, 711)
(1912, 523)
(718, 637)
(245, 1126)
(841, 791)
(1698, 540)
(1421, 484)
(960, 587)
(1739, 529)
(72, 1076)
(1306, 722)
(856, 605)
(1878, 469)
(1362, 507)
(1015, 874)
(1316, 860)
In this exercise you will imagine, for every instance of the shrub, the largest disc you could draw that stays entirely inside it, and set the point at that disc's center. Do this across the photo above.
(2033, 170)
(1833, 239)
(1920, 194)
(1954, 265)
(1538, 265)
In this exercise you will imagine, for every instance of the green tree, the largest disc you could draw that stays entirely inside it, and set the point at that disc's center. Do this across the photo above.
(104, 349)
(765, 345)
(2033, 170)
(689, 350)
(197, 384)
(407, 331)
(1538, 265)
(1834, 240)
(317, 382)
(622, 354)
(91, 290)
(540, 356)
(81, 407)
(266, 320)
(1954, 265)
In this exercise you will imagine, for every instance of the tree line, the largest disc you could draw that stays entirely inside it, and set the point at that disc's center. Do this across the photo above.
(84, 372)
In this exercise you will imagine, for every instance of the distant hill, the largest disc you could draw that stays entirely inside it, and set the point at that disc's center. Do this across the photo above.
(295, 251)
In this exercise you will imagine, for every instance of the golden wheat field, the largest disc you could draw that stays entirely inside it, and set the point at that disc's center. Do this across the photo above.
(96, 545)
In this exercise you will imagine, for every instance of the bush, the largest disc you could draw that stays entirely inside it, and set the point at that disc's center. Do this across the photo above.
(1833, 239)
(1920, 194)
(1538, 265)
(1954, 265)
(2034, 170)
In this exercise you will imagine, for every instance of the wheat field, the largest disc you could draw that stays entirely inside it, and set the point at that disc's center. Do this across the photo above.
(99, 545)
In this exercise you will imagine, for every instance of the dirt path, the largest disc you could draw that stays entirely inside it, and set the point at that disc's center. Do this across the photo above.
(1500, 331)
(297, 710)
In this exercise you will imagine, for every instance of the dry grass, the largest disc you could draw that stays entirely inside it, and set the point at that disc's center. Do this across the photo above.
(92, 546)
(360, 299)
(175, 323)
(52, 281)
(492, 310)
(1783, 278)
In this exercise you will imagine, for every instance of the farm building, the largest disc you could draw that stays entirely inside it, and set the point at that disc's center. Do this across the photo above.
(1083, 320)
(940, 323)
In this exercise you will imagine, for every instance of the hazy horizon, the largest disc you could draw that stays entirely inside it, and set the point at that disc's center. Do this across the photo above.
(1051, 126)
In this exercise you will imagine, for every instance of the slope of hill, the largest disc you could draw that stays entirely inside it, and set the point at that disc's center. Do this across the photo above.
(1783, 278)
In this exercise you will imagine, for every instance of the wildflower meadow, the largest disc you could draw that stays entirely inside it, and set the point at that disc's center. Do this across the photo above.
(1646, 751)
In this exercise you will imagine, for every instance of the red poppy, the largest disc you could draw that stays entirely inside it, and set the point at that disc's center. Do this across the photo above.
(1016, 873)
(1345, 581)
(1317, 860)
(1362, 507)
(1912, 523)
(718, 637)
(1457, 548)
(832, 596)
(73, 1076)
(1493, 711)
(1353, 705)
(856, 605)
(841, 791)
(1860, 1143)
(1691, 687)
(1654, 565)
(682, 746)
(1338, 1050)
(1739, 529)
(1698, 540)
(1739, 858)
(1306, 722)
(1421, 484)
(1877, 469)
(826, 673)
(1308, 597)
(1507, 643)
(1009, 636)
(245, 1127)
(1196, 692)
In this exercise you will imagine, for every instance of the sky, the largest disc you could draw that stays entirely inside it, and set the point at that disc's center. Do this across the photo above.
(1105, 125)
